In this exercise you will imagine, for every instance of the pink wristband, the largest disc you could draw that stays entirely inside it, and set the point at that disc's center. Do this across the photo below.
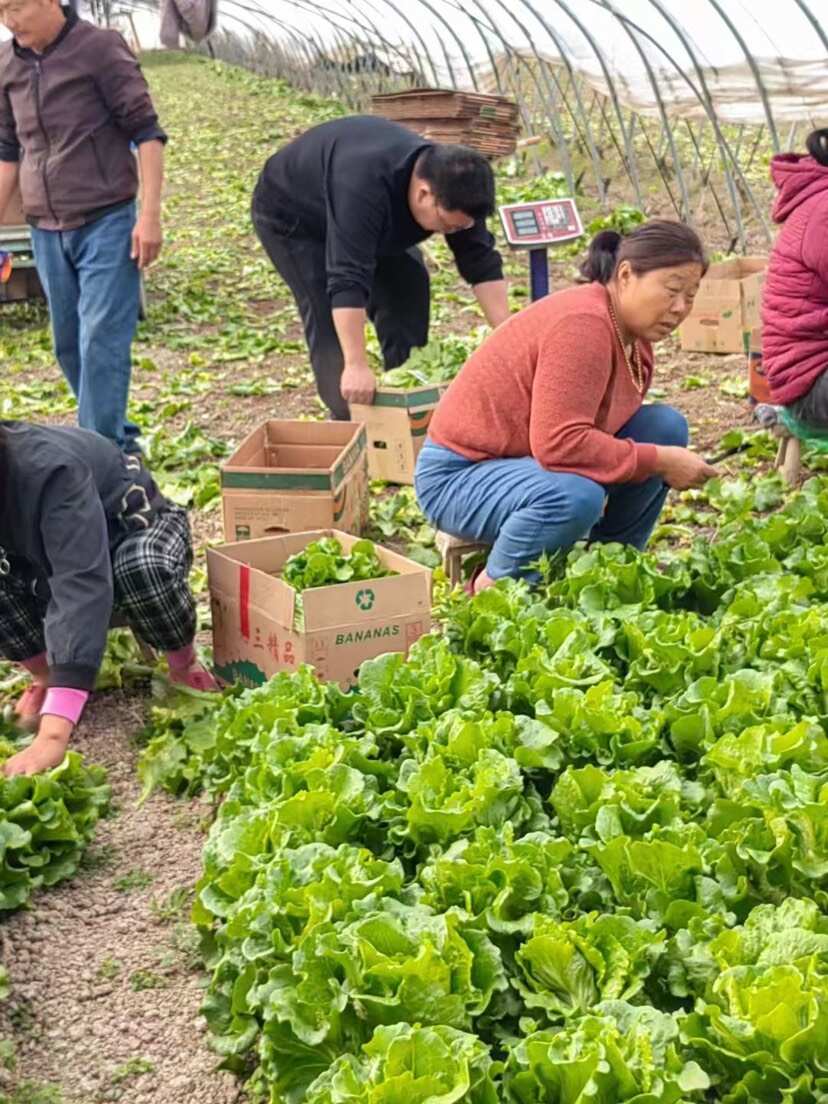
(63, 702)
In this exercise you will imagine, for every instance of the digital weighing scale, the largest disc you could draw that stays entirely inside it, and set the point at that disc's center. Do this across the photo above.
(536, 226)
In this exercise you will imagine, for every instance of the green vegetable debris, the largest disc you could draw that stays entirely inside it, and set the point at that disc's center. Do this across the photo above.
(437, 362)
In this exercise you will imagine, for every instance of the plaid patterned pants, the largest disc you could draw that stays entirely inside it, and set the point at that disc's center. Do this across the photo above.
(152, 594)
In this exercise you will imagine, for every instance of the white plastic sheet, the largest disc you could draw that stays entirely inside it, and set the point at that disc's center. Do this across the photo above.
(731, 46)
(736, 48)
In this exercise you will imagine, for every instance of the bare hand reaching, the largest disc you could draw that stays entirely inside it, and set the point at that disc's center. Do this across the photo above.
(683, 469)
(46, 751)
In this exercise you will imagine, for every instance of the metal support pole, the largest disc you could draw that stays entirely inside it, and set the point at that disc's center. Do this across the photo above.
(538, 273)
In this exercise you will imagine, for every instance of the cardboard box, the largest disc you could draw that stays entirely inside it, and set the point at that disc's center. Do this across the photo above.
(254, 633)
(397, 424)
(290, 476)
(758, 386)
(728, 305)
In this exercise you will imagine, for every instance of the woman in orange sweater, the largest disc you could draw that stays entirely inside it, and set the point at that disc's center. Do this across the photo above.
(543, 439)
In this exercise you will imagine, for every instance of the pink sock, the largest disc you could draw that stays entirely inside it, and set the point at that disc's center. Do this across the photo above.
(182, 658)
(36, 665)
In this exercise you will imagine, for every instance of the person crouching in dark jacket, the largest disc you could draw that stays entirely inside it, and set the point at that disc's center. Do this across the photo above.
(84, 531)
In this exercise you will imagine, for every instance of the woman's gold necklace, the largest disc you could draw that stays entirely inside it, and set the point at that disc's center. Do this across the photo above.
(634, 367)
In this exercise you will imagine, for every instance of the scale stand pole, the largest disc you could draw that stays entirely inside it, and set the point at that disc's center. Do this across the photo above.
(538, 273)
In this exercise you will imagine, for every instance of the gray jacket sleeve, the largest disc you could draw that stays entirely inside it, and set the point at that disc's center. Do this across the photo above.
(125, 91)
(74, 533)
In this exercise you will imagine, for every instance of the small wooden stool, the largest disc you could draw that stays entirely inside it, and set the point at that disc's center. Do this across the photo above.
(453, 551)
(788, 455)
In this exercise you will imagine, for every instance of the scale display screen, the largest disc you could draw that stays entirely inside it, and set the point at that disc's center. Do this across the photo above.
(541, 222)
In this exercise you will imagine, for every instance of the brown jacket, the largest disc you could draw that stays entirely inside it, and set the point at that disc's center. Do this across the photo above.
(68, 116)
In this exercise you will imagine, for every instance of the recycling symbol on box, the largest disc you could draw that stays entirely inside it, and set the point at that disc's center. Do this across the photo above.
(365, 599)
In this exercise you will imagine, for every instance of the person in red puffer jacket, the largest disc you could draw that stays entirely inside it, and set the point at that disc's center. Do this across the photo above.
(795, 308)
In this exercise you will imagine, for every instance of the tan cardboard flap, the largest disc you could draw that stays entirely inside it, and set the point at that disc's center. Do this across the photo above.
(733, 270)
(299, 457)
(269, 553)
(250, 452)
(369, 601)
(221, 571)
(290, 432)
(752, 289)
(268, 595)
(724, 279)
(248, 583)
(259, 514)
(276, 434)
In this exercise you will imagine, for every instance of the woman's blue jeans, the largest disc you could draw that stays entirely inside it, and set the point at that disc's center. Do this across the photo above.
(523, 510)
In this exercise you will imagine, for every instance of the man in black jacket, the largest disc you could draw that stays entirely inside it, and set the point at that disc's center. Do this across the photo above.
(340, 211)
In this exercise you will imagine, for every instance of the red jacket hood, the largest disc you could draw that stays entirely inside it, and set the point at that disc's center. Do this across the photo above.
(797, 177)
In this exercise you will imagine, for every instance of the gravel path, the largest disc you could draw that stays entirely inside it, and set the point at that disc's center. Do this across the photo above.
(105, 979)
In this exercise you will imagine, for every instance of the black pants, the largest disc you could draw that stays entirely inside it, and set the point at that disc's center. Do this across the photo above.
(398, 307)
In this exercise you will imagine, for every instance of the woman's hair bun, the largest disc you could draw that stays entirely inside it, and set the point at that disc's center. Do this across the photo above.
(603, 253)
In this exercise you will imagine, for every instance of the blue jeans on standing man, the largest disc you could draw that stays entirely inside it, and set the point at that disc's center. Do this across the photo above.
(523, 510)
(93, 289)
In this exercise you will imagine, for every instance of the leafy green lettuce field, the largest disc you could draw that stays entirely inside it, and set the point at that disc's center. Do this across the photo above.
(574, 848)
